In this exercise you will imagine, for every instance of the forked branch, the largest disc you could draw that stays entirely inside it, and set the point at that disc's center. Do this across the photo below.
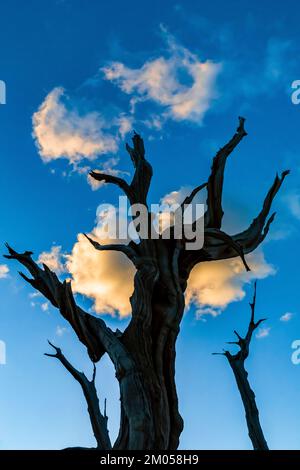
(217, 245)
(259, 228)
(98, 420)
(106, 178)
(91, 331)
(130, 250)
(237, 364)
(137, 190)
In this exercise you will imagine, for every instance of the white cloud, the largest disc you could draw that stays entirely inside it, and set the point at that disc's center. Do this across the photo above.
(2, 353)
(35, 303)
(105, 277)
(45, 306)
(179, 82)
(61, 131)
(202, 311)
(94, 184)
(216, 284)
(32, 295)
(4, 270)
(124, 123)
(107, 167)
(176, 197)
(286, 317)
(263, 332)
(154, 121)
(60, 330)
(53, 259)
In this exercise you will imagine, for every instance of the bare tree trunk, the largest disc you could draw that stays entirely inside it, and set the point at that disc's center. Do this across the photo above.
(248, 397)
(237, 364)
(144, 354)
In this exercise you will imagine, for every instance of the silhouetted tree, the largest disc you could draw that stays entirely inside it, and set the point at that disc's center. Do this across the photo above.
(237, 364)
(98, 420)
(144, 354)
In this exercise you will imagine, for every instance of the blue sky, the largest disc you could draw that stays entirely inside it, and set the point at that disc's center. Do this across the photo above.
(250, 52)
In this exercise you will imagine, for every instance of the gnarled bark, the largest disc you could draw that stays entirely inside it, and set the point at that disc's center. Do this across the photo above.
(144, 354)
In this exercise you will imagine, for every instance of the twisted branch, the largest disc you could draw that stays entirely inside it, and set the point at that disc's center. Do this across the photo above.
(137, 190)
(214, 213)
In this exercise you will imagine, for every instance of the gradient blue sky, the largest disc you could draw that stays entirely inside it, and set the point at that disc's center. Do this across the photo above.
(64, 43)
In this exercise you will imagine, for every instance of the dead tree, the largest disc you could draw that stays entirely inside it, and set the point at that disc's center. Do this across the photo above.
(144, 354)
(237, 364)
(98, 420)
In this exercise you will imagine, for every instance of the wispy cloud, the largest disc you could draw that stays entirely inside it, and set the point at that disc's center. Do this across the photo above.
(2, 353)
(286, 317)
(179, 82)
(60, 330)
(276, 58)
(263, 332)
(33, 295)
(4, 270)
(203, 311)
(36, 301)
(45, 306)
(292, 201)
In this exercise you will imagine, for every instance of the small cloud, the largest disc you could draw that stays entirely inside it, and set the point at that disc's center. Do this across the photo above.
(61, 131)
(263, 332)
(202, 311)
(32, 295)
(154, 122)
(53, 259)
(4, 270)
(60, 330)
(176, 197)
(94, 184)
(45, 306)
(286, 317)
(215, 284)
(2, 353)
(125, 124)
(108, 167)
